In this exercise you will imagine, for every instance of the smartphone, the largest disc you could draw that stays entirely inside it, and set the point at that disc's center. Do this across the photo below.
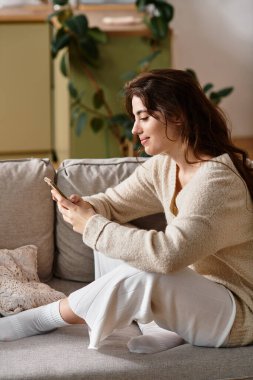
(54, 186)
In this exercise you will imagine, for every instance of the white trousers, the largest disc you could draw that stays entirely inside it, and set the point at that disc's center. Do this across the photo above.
(199, 310)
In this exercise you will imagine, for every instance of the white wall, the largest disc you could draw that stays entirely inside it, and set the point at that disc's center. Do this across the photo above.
(215, 38)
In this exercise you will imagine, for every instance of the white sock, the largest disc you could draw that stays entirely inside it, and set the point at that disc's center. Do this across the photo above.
(31, 322)
(154, 339)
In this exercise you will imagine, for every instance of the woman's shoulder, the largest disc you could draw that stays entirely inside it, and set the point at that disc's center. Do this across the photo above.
(221, 161)
(219, 175)
(221, 166)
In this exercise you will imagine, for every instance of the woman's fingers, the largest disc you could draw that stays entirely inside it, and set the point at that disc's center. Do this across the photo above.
(65, 213)
(55, 195)
(77, 200)
(74, 198)
(60, 199)
(74, 210)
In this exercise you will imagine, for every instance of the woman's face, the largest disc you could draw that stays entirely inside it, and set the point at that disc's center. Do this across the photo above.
(154, 135)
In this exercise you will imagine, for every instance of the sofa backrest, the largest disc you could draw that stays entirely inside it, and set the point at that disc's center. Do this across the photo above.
(74, 260)
(27, 210)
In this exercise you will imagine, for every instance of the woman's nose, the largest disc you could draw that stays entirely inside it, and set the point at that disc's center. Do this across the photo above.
(136, 129)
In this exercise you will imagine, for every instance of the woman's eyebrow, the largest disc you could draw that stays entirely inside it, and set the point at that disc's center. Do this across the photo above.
(141, 111)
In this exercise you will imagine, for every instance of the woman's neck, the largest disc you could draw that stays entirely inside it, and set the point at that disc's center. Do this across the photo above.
(186, 170)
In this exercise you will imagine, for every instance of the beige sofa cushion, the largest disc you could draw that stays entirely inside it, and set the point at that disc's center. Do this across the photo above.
(74, 260)
(27, 210)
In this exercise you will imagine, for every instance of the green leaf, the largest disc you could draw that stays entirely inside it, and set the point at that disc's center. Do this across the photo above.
(60, 2)
(98, 35)
(60, 41)
(98, 99)
(165, 10)
(215, 98)
(81, 122)
(63, 65)
(147, 60)
(89, 50)
(159, 27)
(97, 124)
(192, 73)
(207, 87)
(78, 25)
(225, 92)
(72, 90)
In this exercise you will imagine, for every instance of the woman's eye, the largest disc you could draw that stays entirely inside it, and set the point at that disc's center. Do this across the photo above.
(144, 118)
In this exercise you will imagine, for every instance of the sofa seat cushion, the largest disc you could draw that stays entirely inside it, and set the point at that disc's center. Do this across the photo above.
(64, 354)
(68, 347)
(27, 209)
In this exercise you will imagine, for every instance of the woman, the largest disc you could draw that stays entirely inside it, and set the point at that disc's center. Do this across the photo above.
(195, 279)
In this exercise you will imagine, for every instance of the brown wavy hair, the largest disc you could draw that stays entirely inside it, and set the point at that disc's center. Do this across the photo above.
(181, 100)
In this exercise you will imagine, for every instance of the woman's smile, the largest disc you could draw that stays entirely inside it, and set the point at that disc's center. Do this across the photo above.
(144, 140)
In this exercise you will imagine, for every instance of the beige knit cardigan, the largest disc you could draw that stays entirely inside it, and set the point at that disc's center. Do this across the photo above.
(212, 231)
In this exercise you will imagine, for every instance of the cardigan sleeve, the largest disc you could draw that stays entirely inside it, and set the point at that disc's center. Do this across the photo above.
(132, 198)
(206, 223)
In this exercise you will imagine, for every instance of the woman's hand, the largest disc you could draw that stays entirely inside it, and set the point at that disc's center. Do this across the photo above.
(75, 211)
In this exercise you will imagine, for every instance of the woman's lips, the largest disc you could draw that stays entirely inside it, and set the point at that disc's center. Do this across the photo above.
(144, 141)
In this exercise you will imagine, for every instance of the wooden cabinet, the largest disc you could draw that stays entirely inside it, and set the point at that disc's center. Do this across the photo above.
(25, 90)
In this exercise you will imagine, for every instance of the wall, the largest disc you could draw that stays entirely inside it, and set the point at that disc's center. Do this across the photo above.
(215, 38)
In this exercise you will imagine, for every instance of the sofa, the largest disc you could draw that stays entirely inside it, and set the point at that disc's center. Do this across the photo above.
(29, 217)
